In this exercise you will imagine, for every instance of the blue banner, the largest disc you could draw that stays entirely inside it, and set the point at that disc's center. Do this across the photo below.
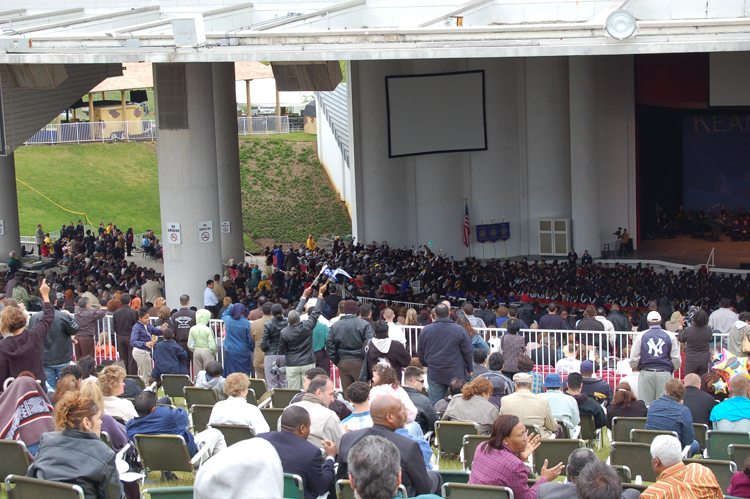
(500, 231)
(482, 233)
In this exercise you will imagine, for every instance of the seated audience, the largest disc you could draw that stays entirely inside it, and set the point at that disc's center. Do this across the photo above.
(385, 381)
(500, 460)
(502, 385)
(325, 424)
(674, 479)
(358, 394)
(625, 405)
(699, 402)
(569, 364)
(117, 434)
(480, 357)
(586, 406)
(413, 384)
(526, 365)
(578, 460)
(734, 413)
(454, 388)
(668, 414)
(162, 420)
(473, 406)
(25, 412)
(593, 386)
(248, 468)
(169, 357)
(212, 379)
(531, 409)
(111, 383)
(600, 481)
(564, 407)
(75, 453)
(236, 410)
(374, 470)
(300, 457)
(740, 485)
(387, 417)
(337, 405)
(67, 383)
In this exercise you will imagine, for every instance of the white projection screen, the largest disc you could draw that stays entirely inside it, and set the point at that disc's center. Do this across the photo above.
(435, 113)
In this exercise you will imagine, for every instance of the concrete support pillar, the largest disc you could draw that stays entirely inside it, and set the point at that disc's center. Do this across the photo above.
(584, 155)
(11, 241)
(228, 161)
(188, 189)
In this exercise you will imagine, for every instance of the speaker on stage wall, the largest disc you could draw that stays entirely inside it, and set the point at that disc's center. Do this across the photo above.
(744, 265)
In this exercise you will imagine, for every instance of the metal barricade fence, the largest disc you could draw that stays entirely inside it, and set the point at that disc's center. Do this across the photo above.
(604, 348)
(262, 125)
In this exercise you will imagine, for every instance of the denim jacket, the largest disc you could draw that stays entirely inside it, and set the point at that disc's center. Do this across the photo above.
(666, 414)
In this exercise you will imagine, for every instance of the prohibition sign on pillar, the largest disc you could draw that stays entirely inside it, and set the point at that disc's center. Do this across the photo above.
(206, 232)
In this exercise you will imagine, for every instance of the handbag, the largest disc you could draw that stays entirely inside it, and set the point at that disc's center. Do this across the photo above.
(364, 374)
(745, 342)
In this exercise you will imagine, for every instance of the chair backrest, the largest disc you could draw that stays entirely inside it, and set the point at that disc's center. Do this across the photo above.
(201, 396)
(466, 491)
(251, 397)
(722, 470)
(293, 488)
(105, 438)
(621, 427)
(700, 431)
(168, 493)
(201, 415)
(14, 460)
(588, 427)
(137, 379)
(163, 452)
(120, 420)
(566, 430)
(647, 436)
(450, 435)
(234, 433)
(739, 453)
(21, 487)
(636, 456)
(717, 443)
(531, 429)
(555, 451)
(258, 386)
(469, 445)
(272, 417)
(173, 384)
(454, 476)
(281, 397)
(624, 472)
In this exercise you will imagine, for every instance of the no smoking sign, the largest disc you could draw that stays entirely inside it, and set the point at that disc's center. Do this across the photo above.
(175, 236)
(206, 232)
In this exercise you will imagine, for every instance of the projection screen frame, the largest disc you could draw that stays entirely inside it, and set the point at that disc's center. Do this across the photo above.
(451, 73)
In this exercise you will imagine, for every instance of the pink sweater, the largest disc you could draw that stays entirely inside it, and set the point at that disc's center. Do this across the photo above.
(399, 393)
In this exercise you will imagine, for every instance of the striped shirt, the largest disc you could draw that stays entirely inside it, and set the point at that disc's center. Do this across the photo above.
(358, 421)
(693, 481)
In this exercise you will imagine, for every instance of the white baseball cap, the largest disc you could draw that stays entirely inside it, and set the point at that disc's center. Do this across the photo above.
(653, 316)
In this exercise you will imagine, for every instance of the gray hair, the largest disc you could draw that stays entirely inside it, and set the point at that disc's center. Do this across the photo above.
(293, 318)
(83, 302)
(598, 480)
(578, 460)
(374, 463)
(667, 449)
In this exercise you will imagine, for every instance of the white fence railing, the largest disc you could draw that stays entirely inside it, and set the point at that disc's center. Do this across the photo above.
(110, 131)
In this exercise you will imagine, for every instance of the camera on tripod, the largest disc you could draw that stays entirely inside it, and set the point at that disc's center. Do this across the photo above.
(619, 233)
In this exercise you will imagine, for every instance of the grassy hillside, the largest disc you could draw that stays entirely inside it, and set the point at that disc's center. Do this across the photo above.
(286, 192)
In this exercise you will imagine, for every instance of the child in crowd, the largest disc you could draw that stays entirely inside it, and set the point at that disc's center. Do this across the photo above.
(201, 341)
(359, 395)
(169, 357)
(212, 378)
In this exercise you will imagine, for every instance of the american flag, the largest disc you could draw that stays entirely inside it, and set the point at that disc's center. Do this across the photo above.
(467, 226)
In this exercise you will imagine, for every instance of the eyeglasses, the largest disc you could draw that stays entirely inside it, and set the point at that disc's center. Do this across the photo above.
(420, 381)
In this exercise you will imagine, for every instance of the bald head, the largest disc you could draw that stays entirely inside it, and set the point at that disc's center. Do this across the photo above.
(386, 410)
(738, 386)
(693, 379)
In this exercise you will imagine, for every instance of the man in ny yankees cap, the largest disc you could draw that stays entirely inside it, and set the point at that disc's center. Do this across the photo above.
(656, 355)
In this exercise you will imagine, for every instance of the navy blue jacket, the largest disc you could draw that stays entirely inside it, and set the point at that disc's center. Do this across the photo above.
(164, 421)
(169, 358)
(446, 350)
(302, 458)
(141, 334)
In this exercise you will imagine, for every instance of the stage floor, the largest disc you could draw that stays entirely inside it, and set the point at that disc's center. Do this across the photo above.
(683, 249)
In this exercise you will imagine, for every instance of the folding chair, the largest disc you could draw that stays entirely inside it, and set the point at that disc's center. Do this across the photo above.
(621, 427)
(469, 446)
(566, 430)
(293, 488)
(700, 431)
(105, 438)
(138, 380)
(636, 456)
(234, 433)
(532, 428)
(624, 473)
(466, 491)
(454, 476)
(717, 443)
(22, 487)
(282, 397)
(201, 415)
(450, 435)
(272, 417)
(168, 493)
(251, 397)
(722, 470)
(14, 458)
(589, 431)
(163, 453)
(344, 490)
(554, 451)
(647, 436)
(200, 396)
(174, 383)
(258, 386)
(739, 453)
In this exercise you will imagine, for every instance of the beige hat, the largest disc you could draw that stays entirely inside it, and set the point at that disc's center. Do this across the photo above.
(523, 378)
